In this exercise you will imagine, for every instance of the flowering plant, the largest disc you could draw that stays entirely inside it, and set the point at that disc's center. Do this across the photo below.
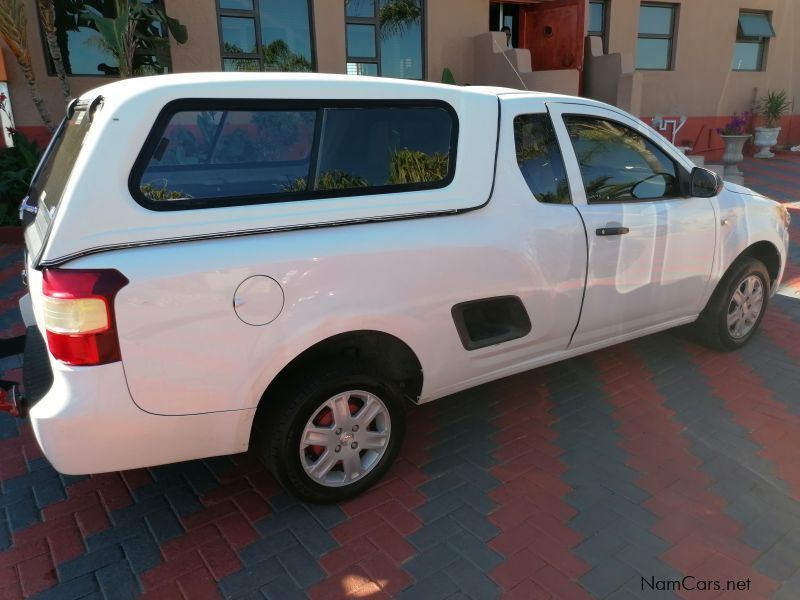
(3, 109)
(738, 124)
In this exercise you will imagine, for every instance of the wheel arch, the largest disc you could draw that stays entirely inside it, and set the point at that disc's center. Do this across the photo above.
(381, 350)
(767, 253)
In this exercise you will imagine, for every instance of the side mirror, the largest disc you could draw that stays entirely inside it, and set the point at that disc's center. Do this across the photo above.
(705, 183)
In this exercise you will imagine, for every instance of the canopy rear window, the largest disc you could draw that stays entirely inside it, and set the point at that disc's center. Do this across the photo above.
(226, 153)
(48, 186)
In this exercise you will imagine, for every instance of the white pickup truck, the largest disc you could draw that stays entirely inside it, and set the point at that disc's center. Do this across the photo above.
(218, 261)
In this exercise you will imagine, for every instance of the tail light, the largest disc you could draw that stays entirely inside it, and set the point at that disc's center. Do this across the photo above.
(79, 314)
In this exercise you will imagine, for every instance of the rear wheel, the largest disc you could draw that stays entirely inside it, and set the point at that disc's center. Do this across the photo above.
(736, 308)
(336, 433)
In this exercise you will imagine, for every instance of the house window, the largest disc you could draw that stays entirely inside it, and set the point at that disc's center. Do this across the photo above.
(265, 35)
(752, 35)
(598, 10)
(656, 34)
(84, 51)
(384, 38)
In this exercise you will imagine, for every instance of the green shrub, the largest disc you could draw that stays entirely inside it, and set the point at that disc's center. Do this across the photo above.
(412, 166)
(152, 192)
(17, 165)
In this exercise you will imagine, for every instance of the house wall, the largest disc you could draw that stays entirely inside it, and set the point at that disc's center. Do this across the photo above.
(702, 84)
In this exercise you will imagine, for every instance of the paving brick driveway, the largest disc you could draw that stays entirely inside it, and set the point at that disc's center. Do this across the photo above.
(654, 459)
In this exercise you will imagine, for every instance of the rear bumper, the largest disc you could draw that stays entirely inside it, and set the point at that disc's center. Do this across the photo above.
(86, 422)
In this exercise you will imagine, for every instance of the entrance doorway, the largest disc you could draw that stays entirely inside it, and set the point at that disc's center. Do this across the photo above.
(505, 14)
(553, 30)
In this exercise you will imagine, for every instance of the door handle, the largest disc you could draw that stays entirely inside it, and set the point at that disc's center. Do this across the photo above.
(612, 230)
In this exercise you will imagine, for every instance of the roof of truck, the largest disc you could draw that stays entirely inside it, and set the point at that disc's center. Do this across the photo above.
(350, 85)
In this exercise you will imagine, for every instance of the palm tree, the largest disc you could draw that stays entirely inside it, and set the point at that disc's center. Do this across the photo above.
(47, 14)
(396, 15)
(13, 31)
(132, 29)
(278, 57)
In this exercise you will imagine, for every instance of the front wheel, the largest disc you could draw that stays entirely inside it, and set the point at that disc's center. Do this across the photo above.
(737, 306)
(336, 434)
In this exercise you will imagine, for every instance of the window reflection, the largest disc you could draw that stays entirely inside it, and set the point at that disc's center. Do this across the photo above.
(618, 164)
(84, 50)
(283, 42)
(386, 34)
(539, 158)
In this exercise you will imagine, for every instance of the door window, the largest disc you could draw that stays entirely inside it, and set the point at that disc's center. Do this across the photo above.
(619, 164)
(539, 158)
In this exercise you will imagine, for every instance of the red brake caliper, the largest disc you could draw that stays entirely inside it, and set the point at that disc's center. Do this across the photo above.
(325, 419)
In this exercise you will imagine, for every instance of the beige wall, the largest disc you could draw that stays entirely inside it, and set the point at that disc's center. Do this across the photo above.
(201, 51)
(329, 40)
(450, 26)
(702, 82)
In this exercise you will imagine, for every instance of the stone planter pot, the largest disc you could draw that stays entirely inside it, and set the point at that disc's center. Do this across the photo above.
(734, 145)
(766, 137)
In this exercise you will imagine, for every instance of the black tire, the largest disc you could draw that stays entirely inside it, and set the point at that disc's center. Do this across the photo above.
(299, 400)
(712, 328)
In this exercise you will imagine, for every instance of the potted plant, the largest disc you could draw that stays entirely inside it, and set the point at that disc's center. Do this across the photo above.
(734, 136)
(770, 108)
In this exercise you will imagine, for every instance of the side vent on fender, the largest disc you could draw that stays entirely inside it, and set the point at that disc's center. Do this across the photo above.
(490, 321)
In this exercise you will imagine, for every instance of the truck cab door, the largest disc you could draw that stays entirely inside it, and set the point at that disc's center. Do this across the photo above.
(651, 245)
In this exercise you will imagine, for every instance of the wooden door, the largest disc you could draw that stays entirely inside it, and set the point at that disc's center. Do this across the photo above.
(553, 32)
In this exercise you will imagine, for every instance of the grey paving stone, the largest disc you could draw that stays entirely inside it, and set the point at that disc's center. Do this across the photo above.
(779, 562)
(253, 577)
(301, 566)
(434, 533)
(764, 531)
(114, 535)
(593, 519)
(313, 537)
(267, 547)
(474, 550)
(443, 482)
(283, 501)
(642, 539)
(475, 522)
(599, 547)
(182, 500)
(647, 565)
(23, 513)
(73, 589)
(434, 587)
(273, 524)
(430, 561)
(607, 577)
(327, 515)
(139, 509)
(441, 506)
(164, 525)
(117, 581)
(142, 552)
(89, 563)
(283, 588)
(476, 498)
(472, 580)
